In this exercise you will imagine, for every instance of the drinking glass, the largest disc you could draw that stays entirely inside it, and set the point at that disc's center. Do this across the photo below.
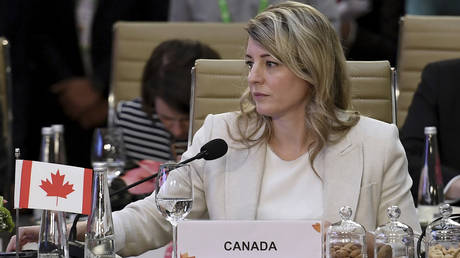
(108, 151)
(174, 195)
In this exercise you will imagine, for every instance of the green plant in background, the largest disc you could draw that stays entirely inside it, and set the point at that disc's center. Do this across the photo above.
(6, 221)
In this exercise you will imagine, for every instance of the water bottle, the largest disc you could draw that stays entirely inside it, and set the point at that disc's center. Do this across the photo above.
(52, 239)
(99, 240)
(59, 145)
(430, 190)
(52, 242)
(60, 154)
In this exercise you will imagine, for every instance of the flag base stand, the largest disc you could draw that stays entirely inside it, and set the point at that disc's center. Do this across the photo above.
(23, 254)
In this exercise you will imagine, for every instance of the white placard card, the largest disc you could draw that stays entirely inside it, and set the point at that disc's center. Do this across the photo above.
(248, 239)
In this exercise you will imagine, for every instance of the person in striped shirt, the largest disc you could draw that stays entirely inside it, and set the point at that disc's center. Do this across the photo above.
(155, 126)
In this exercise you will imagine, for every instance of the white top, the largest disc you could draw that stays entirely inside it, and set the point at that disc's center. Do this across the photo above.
(290, 189)
(366, 170)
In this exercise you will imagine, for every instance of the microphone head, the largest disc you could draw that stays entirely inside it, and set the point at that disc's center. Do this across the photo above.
(214, 149)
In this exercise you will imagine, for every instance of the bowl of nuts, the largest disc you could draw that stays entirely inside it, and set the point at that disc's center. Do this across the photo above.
(346, 238)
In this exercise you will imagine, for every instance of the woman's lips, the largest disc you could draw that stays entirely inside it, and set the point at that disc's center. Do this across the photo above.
(258, 95)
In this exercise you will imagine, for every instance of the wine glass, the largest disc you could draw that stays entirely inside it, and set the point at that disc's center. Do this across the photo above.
(108, 151)
(174, 195)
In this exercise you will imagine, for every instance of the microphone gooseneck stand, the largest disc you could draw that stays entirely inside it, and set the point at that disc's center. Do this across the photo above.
(213, 149)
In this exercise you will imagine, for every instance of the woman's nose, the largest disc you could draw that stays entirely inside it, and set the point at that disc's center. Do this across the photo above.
(255, 75)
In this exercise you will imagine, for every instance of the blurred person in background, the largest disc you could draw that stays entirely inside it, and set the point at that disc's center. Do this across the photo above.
(13, 28)
(341, 13)
(155, 126)
(349, 11)
(435, 103)
(69, 46)
(374, 35)
(13, 16)
(238, 10)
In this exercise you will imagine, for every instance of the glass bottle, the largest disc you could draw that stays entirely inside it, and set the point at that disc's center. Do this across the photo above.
(45, 156)
(52, 238)
(60, 154)
(47, 145)
(52, 242)
(99, 240)
(394, 239)
(442, 237)
(346, 238)
(430, 190)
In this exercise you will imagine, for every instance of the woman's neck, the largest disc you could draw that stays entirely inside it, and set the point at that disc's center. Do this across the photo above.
(289, 139)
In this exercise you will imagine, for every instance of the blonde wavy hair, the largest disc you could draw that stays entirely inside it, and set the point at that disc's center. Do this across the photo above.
(305, 41)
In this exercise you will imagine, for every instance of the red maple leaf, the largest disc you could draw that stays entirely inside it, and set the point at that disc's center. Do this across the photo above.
(57, 188)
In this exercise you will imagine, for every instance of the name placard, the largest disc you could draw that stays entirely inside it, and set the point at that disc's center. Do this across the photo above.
(249, 239)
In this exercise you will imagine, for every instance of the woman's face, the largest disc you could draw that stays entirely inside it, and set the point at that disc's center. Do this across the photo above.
(277, 92)
(175, 122)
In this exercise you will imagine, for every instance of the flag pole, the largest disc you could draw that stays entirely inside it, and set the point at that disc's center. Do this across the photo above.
(17, 154)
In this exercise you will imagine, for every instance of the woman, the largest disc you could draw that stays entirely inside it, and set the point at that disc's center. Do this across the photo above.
(293, 134)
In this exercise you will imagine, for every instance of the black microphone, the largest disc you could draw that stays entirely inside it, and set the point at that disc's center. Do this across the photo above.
(213, 149)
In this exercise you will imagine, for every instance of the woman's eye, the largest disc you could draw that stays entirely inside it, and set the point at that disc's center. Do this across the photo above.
(249, 64)
(271, 64)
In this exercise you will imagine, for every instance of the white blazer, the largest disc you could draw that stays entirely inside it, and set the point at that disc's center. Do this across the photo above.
(366, 170)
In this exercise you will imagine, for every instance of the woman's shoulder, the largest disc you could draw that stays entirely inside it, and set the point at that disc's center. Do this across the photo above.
(220, 125)
(225, 117)
(217, 122)
(372, 129)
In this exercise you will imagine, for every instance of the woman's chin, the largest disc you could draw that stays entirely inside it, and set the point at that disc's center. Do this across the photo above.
(263, 112)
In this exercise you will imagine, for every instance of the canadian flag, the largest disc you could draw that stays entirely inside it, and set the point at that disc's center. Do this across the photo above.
(49, 186)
